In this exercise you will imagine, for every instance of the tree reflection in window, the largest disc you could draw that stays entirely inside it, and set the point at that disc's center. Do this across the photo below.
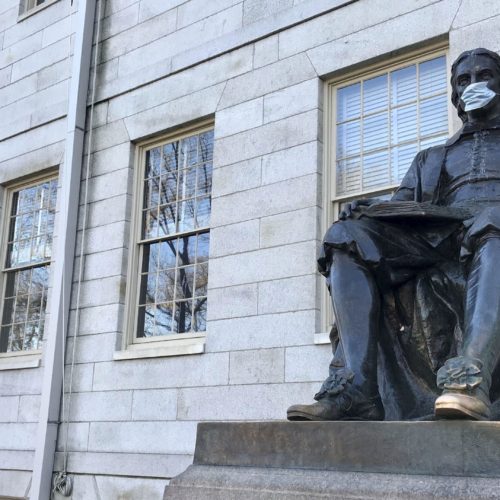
(175, 237)
(26, 270)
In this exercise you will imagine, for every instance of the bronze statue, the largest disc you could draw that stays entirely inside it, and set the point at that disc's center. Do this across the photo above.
(414, 282)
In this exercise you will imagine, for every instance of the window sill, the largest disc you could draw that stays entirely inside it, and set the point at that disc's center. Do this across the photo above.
(34, 10)
(322, 338)
(19, 361)
(163, 348)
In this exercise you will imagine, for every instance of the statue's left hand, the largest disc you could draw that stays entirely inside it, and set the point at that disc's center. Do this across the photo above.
(353, 206)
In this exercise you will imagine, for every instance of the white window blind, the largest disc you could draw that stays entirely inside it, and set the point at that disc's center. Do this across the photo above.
(382, 121)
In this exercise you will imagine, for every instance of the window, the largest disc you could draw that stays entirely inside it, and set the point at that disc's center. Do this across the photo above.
(34, 3)
(26, 264)
(382, 120)
(377, 121)
(175, 182)
(27, 7)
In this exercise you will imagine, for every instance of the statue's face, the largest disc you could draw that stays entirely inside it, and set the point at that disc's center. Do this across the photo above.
(475, 69)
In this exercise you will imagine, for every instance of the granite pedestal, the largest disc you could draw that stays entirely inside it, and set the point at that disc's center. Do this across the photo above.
(338, 460)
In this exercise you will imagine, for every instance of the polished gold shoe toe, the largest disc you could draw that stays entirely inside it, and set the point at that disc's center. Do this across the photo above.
(456, 405)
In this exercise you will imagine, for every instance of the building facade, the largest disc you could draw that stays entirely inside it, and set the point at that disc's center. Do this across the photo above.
(167, 170)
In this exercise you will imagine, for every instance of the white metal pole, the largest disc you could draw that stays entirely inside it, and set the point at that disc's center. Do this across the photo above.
(62, 267)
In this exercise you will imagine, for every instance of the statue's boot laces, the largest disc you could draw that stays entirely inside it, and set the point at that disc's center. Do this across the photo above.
(465, 390)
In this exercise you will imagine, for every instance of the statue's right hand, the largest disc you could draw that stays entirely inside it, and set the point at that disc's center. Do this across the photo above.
(349, 209)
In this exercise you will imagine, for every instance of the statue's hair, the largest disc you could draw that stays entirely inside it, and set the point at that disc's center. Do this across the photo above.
(453, 80)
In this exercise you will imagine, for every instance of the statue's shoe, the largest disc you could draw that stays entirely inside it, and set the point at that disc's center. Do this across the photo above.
(348, 405)
(460, 405)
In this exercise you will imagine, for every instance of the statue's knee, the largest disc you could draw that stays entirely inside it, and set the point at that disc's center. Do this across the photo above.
(340, 231)
(489, 239)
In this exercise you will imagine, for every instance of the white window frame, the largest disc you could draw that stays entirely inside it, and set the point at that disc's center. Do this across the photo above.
(29, 358)
(28, 7)
(331, 203)
(148, 347)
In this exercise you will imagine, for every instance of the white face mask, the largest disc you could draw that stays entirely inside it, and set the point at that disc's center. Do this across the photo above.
(477, 95)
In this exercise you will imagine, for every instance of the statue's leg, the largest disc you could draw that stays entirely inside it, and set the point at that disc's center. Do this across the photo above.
(482, 308)
(356, 306)
(467, 379)
(351, 391)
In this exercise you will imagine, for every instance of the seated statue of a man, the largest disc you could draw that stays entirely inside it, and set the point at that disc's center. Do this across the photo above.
(415, 282)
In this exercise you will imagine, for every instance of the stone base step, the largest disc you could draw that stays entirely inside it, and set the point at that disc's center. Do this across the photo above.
(342, 460)
(201, 482)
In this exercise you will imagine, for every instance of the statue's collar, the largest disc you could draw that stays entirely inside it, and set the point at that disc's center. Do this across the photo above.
(470, 128)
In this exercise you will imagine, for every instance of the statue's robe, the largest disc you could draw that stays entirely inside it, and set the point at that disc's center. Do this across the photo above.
(421, 271)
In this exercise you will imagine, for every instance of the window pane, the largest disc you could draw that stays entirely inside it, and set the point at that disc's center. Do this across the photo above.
(24, 309)
(404, 124)
(21, 309)
(348, 139)
(187, 250)
(404, 85)
(348, 176)
(150, 224)
(151, 258)
(166, 286)
(203, 208)
(183, 315)
(207, 146)
(166, 221)
(200, 315)
(434, 115)
(402, 156)
(432, 76)
(23, 282)
(168, 188)
(186, 215)
(148, 314)
(27, 200)
(167, 253)
(32, 224)
(375, 132)
(185, 282)
(189, 152)
(150, 280)
(164, 315)
(348, 102)
(16, 338)
(170, 157)
(376, 170)
(201, 280)
(39, 279)
(187, 188)
(203, 246)
(31, 336)
(204, 185)
(433, 141)
(153, 162)
(375, 94)
(152, 192)
(8, 311)
(34, 309)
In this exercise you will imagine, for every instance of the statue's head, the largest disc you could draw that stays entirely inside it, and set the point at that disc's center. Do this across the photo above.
(472, 67)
